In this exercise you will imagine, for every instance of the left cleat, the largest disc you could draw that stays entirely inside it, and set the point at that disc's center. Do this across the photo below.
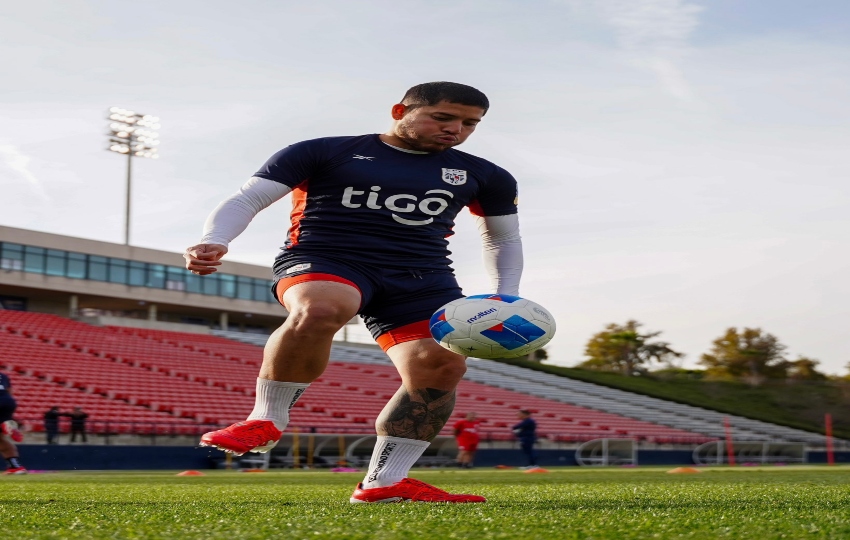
(10, 428)
(16, 470)
(410, 490)
(248, 436)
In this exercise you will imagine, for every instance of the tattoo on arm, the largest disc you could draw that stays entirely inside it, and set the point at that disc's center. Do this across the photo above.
(419, 414)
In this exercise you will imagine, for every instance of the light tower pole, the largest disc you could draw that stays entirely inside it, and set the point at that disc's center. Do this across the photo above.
(133, 134)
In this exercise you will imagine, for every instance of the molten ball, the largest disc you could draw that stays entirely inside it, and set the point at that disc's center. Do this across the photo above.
(492, 326)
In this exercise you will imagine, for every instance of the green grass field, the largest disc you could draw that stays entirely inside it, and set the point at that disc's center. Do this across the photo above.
(763, 503)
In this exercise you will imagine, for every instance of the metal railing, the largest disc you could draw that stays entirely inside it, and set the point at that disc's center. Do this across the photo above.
(108, 431)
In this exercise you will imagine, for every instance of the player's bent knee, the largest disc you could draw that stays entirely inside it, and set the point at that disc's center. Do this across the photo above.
(318, 316)
(453, 371)
(444, 370)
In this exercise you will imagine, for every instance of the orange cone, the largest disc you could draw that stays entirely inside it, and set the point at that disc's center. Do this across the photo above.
(191, 473)
(684, 470)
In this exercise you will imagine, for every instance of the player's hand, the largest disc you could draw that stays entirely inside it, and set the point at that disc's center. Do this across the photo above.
(203, 258)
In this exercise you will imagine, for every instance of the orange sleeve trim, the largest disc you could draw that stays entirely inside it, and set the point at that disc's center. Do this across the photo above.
(408, 332)
(285, 283)
(475, 208)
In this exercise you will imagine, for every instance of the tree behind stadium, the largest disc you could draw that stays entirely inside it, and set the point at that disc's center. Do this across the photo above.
(750, 354)
(805, 369)
(623, 349)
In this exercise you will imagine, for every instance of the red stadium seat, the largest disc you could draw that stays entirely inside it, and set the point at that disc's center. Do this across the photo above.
(156, 378)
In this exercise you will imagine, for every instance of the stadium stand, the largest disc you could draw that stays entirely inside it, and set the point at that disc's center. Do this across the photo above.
(143, 346)
(696, 420)
(140, 375)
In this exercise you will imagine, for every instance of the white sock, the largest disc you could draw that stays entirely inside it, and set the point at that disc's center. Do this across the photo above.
(392, 459)
(274, 399)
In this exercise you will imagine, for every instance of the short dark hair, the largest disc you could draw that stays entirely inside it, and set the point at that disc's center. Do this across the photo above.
(434, 92)
(526, 412)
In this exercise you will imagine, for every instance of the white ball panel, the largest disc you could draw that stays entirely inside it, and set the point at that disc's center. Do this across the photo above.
(470, 347)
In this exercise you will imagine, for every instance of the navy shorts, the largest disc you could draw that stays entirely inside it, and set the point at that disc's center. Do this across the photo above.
(7, 409)
(396, 304)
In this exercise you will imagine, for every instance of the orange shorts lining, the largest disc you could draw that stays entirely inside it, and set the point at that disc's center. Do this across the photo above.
(284, 284)
(408, 332)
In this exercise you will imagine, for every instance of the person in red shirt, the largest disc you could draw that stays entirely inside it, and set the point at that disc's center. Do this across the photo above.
(466, 433)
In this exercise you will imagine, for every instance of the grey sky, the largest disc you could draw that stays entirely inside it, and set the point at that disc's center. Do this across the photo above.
(681, 162)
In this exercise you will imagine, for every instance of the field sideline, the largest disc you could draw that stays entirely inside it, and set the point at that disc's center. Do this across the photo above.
(749, 502)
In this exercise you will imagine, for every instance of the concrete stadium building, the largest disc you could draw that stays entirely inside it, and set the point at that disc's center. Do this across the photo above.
(120, 285)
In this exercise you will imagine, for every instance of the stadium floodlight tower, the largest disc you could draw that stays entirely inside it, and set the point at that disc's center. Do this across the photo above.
(133, 134)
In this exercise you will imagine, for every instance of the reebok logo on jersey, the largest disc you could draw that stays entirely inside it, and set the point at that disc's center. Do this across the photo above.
(455, 177)
(401, 203)
(298, 268)
(367, 158)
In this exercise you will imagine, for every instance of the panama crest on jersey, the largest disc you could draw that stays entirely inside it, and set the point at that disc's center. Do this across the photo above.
(455, 177)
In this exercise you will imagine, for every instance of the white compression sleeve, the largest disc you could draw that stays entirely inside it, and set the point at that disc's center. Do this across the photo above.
(233, 215)
(502, 251)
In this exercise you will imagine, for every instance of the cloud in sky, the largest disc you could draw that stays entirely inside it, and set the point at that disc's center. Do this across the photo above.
(655, 34)
(17, 163)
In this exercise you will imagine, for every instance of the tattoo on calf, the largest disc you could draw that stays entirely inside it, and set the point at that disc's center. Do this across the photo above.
(419, 414)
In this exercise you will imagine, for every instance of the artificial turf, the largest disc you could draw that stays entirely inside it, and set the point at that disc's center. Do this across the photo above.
(763, 503)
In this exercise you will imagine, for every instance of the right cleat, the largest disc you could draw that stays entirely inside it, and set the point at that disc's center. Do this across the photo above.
(410, 490)
(248, 436)
(16, 470)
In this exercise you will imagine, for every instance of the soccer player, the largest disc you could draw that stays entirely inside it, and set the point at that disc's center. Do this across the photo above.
(9, 433)
(369, 225)
(466, 434)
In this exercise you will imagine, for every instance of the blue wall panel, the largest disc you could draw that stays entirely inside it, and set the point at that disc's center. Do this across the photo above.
(98, 457)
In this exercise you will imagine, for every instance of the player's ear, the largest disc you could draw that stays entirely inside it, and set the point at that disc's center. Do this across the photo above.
(398, 111)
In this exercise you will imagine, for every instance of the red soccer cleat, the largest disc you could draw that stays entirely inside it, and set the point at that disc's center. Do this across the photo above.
(410, 490)
(16, 470)
(249, 436)
(10, 428)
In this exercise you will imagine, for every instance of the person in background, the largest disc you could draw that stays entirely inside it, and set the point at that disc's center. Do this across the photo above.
(9, 433)
(78, 423)
(526, 432)
(466, 434)
(51, 425)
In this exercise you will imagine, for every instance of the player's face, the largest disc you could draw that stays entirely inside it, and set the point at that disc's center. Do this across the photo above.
(434, 128)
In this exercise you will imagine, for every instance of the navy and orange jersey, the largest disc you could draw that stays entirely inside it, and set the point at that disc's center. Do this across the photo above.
(359, 199)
